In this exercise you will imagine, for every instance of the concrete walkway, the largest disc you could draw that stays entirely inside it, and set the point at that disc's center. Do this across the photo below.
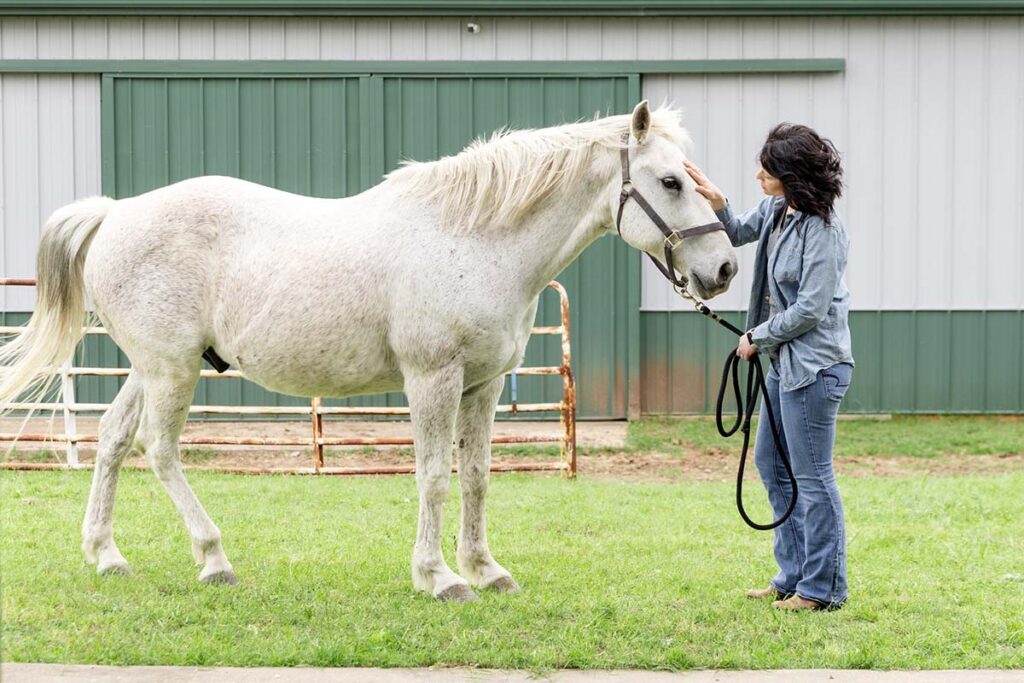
(45, 673)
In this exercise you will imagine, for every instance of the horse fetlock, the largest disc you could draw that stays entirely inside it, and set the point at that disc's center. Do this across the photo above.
(216, 568)
(103, 552)
(207, 547)
(94, 540)
(481, 570)
(431, 575)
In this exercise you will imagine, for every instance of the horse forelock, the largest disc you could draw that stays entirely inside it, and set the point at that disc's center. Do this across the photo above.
(495, 181)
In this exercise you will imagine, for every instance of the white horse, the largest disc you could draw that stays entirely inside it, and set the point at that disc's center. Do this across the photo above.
(427, 283)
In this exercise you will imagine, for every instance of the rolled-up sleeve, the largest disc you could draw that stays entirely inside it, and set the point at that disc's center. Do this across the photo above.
(818, 281)
(746, 227)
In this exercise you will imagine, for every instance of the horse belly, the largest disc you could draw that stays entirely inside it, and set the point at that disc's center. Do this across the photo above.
(332, 350)
(313, 368)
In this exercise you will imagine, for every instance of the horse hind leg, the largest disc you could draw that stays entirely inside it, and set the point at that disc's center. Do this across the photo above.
(118, 427)
(167, 401)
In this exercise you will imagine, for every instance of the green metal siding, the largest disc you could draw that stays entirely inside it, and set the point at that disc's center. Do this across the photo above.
(426, 118)
(907, 361)
(335, 136)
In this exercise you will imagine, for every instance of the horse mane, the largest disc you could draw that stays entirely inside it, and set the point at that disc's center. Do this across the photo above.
(495, 181)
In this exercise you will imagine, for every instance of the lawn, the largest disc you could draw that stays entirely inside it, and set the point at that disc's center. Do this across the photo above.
(902, 435)
(614, 575)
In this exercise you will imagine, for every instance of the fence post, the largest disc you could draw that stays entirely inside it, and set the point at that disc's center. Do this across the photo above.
(67, 385)
(318, 432)
(568, 416)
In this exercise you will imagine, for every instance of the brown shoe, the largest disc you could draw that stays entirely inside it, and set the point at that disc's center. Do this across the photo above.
(762, 593)
(796, 603)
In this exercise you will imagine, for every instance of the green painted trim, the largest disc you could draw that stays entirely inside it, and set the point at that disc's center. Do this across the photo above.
(512, 7)
(305, 68)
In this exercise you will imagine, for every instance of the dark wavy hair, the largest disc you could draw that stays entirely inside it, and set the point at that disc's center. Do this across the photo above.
(807, 165)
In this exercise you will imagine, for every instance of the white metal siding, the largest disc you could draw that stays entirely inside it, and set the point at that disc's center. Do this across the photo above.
(929, 116)
(49, 156)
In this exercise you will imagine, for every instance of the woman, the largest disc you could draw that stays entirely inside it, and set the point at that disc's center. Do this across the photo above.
(798, 314)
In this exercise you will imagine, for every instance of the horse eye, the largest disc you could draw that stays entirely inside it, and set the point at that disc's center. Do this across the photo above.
(670, 183)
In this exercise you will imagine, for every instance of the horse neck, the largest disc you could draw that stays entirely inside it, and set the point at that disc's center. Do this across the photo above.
(558, 231)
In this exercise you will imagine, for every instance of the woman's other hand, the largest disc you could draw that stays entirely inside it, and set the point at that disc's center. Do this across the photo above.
(746, 350)
(705, 187)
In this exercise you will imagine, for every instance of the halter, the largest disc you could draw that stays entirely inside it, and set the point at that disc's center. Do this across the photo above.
(673, 238)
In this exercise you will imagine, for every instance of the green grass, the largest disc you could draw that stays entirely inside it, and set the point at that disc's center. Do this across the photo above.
(613, 574)
(198, 456)
(40, 456)
(903, 435)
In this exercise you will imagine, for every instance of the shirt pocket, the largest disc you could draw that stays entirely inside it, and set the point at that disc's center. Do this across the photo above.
(789, 264)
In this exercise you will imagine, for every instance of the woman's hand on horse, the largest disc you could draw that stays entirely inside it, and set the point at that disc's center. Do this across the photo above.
(746, 350)
(705, 187)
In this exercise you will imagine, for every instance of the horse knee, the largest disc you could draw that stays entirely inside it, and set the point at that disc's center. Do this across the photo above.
(164, 463)
(434, 487)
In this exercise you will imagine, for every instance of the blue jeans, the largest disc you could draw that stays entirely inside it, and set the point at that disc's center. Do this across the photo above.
(810, 547)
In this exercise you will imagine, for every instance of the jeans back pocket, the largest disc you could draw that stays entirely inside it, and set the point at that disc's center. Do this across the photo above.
(837, 380)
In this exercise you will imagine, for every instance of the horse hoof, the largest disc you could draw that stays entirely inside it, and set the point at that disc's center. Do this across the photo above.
(504, 584)
(114, 569)
(221, 578)
(458, 592)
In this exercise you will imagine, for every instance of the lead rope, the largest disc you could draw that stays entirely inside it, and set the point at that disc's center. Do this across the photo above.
(755, 384)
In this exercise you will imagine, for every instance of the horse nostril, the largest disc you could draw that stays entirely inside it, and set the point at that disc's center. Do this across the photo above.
(725, 272)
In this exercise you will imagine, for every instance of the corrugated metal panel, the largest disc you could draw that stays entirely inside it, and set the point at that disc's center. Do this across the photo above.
(304, 135)
(426, 118)
(515, 7)
(915, 114)
(909, 82)
(924, 361)
(298, 134)
(49, 156)
(919, 103)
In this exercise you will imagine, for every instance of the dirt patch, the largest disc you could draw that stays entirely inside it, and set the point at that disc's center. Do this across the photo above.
(722, 467)
(599, 458)
(610, 465)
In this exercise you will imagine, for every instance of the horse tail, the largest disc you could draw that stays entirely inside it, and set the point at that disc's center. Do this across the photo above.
(29, 361)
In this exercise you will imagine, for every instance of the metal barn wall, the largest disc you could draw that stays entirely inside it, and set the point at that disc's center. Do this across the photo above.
(49, 156)
(928, 114)
(334, 136)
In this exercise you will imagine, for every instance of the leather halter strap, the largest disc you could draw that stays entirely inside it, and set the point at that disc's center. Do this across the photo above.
(673, 238)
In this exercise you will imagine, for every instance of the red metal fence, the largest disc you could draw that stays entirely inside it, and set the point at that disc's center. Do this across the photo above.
(316, 412)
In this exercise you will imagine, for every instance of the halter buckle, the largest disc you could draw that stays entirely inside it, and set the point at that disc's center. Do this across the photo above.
(627, 187)
(669, 241)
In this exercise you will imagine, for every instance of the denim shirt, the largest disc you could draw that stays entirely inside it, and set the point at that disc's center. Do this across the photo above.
(811, 330)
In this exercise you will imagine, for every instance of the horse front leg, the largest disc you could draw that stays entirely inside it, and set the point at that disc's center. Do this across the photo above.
(433, 404)
(475, 421)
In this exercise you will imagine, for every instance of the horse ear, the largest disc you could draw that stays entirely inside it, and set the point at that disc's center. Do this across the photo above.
(641, 124)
